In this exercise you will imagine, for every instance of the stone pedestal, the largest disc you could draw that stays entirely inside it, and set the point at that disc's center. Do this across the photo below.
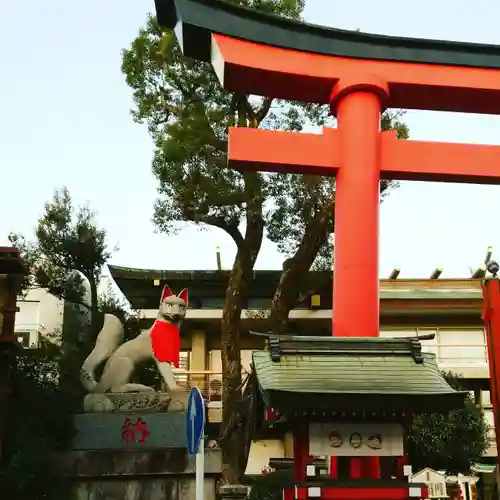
(134, 402)
(137, 474)
(233, 492)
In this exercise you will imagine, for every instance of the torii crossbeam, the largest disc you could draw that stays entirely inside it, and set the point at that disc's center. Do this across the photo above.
(358, 75)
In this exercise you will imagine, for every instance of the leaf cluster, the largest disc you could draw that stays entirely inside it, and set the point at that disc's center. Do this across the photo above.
(270, 486)
(39, 424)
(68, 247)
(449, 441)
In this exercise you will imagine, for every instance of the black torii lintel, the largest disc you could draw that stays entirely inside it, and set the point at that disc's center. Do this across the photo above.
(195, 21)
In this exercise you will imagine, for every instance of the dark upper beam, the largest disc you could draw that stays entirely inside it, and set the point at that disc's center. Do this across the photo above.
(196, 20)
(10, 261)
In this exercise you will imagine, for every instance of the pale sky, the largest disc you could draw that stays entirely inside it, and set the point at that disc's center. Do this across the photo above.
(64, 121)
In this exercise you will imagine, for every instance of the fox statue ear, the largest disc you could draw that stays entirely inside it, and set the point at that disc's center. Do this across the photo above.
(184, 295)
(165, 293)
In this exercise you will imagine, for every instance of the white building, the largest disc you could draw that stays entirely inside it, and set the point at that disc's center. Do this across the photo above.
(40, 314)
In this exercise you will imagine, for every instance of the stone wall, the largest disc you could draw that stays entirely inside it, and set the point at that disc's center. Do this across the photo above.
(154, 488)
(138, 475)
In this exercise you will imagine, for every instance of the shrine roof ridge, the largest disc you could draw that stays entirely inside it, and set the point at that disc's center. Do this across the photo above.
(198, 19)
(286, 345)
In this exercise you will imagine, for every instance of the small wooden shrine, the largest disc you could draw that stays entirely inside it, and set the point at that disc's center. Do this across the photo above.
(351, 401)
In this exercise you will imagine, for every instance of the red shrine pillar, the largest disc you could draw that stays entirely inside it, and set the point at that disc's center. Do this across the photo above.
(357, 105)
(491, 318)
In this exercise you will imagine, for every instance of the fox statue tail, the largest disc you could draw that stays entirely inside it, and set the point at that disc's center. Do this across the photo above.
(109, 338)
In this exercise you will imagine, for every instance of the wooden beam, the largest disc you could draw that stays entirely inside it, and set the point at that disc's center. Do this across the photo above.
(438, 161)
(276, 151)
(436, 273)
(394, 273)
(480, 272)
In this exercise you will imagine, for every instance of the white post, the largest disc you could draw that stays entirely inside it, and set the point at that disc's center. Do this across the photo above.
(200, 470)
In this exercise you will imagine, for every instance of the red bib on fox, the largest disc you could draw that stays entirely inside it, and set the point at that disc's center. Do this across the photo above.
(166, 342)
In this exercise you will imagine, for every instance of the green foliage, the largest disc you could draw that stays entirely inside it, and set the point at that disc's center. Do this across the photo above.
(66, 258)
(38, 424)
(67, 246)
(270, 486)
(449, 441)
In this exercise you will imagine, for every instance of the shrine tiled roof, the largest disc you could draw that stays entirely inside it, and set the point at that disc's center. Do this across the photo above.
(434, 296)
(321, 373)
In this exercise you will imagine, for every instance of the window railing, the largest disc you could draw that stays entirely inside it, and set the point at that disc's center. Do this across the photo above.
(209, 383)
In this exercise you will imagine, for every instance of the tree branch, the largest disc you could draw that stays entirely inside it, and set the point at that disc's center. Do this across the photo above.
(190, 95)
(199, 215)
(315, 235)
(248, 110)
(264, 109)
(229, 228)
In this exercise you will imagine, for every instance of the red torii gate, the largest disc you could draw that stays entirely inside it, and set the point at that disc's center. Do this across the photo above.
(358, 75)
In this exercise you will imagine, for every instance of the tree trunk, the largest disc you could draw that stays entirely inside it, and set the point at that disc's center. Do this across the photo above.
(232, 440)
(295, 268)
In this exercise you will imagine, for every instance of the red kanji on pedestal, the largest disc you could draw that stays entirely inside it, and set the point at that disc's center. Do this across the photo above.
(131, 431)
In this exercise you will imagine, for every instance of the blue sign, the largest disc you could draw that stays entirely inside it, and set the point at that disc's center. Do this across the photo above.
(195, 423)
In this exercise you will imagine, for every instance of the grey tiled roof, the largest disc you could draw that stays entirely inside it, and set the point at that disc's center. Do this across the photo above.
(346, 374)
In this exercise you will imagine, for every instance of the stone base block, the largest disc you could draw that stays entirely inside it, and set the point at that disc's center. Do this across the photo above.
(134, 402)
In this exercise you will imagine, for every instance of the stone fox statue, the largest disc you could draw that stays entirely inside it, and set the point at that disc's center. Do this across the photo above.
(161, 343)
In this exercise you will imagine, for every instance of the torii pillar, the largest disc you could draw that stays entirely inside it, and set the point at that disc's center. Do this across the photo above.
(358, 75)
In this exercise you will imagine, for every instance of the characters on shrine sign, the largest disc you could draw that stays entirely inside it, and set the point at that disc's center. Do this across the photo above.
(337, 439)
(161, 343)
(373, 441)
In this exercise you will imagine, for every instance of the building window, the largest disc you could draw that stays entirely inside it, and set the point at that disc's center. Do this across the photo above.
(485, 398)
(215, 360)
(184, 363)
(451, 347)
(462, 347)
(246, 359)
(24, 338)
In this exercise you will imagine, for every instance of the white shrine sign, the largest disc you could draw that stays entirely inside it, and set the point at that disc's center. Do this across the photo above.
(355, 440)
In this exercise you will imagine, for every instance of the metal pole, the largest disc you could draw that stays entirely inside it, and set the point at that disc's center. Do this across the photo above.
(200, 470)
